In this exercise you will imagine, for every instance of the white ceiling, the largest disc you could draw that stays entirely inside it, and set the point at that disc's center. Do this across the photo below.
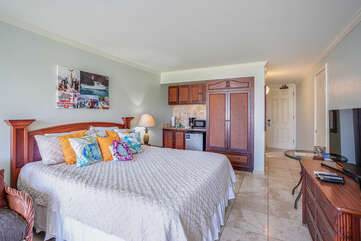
(167, 35)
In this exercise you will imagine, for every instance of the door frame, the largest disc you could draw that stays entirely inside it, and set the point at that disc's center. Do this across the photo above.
(294, 116)
(323, 68)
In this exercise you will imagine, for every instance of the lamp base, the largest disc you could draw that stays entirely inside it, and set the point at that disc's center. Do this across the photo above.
(146, 138)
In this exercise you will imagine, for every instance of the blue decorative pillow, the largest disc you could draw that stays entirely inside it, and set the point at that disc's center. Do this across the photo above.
(131, 133)
(134, 145)
(86, 149)
(132, 140)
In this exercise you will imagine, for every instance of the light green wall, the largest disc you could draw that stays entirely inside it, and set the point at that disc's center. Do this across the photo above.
(344, 85)
(28, 86)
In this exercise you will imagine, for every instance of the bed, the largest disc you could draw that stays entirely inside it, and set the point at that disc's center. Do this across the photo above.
(164, 195)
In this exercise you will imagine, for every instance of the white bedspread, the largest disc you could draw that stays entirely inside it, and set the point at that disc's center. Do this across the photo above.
(164, 195)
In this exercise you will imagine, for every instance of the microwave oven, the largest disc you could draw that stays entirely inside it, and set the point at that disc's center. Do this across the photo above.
(199, 123)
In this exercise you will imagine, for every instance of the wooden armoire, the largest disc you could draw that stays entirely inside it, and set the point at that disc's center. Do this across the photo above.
(230, 120)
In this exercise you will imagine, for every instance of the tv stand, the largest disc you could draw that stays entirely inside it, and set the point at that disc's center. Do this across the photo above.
(331, 211)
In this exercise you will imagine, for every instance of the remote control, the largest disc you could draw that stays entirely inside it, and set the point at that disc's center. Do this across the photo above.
(337, 180)
(325, 173)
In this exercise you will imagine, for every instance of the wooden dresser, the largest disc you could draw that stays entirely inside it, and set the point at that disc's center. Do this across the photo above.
(331, 211)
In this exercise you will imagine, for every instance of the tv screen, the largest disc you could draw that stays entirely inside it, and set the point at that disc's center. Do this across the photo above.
(344, 133)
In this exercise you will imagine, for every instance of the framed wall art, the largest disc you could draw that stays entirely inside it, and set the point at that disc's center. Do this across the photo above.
(81, 90)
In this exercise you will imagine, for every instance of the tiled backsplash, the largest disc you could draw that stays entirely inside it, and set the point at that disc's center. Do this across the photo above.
(184, 112)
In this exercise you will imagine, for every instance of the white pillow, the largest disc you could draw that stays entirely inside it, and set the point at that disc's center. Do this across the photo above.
(50, 149)
(100, 131)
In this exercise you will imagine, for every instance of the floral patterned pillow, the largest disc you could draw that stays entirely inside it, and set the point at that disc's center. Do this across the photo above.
(86, 149)
(120, 151)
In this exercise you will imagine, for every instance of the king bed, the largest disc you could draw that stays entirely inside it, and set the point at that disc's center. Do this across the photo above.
(163, 195)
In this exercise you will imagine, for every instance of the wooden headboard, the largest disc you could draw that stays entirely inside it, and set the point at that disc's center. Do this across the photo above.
(24, 149)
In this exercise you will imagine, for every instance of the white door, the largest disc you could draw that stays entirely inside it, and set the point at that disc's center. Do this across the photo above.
(281, 117)
(320, 124)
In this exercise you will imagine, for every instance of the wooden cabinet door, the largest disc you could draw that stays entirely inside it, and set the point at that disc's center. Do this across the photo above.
(184, 94)
(168, 138)
(204, 94)
(180, 140)
(216, 126)
(195, 94)
(230, 120)
(238, 122)
(173, 95)
(198, 94)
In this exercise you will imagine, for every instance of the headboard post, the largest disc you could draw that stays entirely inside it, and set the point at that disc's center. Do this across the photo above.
(19, 154)
(127, 121)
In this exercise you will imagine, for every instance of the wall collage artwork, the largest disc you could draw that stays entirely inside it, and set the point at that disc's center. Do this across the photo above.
(81, 90)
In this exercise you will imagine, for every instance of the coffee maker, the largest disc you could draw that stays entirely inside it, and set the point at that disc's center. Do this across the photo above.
(191, 122)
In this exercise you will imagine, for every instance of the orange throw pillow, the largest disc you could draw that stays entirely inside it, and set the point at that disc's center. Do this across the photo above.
(104, 143)
(112, 134)
(69, 154)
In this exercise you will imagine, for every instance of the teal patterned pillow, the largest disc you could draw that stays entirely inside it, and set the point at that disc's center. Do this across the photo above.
(132, 133)
(86, 149)
(132, 142)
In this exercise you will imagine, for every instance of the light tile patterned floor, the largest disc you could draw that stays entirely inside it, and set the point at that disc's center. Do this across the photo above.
(263, 208)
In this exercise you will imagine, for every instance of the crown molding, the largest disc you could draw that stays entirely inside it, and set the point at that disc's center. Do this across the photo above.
(201, 74)
(230, 66)
(356, 19)
(73, 43)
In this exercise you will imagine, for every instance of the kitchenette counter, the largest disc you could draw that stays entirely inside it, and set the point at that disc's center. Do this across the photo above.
(184, 138)
(186, 129)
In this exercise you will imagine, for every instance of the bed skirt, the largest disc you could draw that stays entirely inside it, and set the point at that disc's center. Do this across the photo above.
(65, 228)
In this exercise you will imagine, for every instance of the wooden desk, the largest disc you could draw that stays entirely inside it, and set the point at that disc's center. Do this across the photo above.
(331, 211)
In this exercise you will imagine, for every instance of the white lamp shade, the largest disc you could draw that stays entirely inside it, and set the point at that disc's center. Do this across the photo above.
(146, 120)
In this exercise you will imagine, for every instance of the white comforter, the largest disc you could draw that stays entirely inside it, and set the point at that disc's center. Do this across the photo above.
(164, 195)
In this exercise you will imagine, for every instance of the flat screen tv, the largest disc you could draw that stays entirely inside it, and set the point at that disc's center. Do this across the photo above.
(345, 136)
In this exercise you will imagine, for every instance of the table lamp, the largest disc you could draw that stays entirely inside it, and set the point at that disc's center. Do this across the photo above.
(146, 120)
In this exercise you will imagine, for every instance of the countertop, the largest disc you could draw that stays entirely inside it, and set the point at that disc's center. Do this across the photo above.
(186, 129)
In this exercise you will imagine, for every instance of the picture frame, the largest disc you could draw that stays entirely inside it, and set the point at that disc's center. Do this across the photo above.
(78, 89)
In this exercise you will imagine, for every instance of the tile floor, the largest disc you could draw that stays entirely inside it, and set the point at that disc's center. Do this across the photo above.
(263, 208)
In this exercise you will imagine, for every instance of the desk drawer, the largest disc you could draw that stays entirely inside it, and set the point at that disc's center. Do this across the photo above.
(311, 224)
(326, 231)
(309, 183)
(311, 203)
(329, 212)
